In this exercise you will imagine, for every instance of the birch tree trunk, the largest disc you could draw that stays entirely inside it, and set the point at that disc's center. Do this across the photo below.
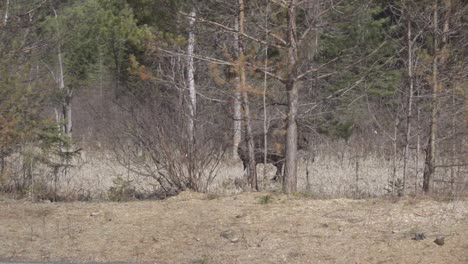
(237, 124)
(290, 175)
(245, 99)
(5, 18)
(429, 166)
(192, 106)
(65, 118)
(237, 114)
(237, 138)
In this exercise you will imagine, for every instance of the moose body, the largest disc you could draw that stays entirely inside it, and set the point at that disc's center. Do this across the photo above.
(276, 148)
(273, 157)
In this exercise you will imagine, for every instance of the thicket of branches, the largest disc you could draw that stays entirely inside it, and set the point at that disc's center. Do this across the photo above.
(172, 87)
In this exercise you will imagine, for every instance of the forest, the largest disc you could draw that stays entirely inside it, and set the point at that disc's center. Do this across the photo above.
(140, 99)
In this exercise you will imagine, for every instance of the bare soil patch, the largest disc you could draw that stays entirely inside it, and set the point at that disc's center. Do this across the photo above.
(245, 228)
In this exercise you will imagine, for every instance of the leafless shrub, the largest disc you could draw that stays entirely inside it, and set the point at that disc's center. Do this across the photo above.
(153, 143)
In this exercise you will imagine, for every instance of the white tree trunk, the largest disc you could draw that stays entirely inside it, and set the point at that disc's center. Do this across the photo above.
(192, 106)
(66, 115)
(237, 115)
(237, 122)
(5, 19)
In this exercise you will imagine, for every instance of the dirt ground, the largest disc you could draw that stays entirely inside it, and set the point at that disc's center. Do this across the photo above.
(245, 228)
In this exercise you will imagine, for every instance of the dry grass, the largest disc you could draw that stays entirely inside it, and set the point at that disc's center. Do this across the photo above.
(194, 228)
(331, 175)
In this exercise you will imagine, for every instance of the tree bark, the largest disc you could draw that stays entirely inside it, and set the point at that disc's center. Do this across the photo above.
(237, 114)
(245, 99)
(290, 175)
(67, 113)
(429, 166)
(265, 112)
(66, 116)
(395, 151)
(409, 104)
(237, 127)
(443, 60)
(192, 106)
(418, 150)
(5, 18)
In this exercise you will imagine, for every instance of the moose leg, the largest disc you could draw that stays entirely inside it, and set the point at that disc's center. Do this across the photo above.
(245, 168)
(279, 171)
(240, 182)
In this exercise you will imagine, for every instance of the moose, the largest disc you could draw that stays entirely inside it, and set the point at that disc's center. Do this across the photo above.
(276, 149)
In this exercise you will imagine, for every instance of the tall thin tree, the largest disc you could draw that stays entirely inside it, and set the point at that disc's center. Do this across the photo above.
(429, 166)
(5, 18)
(192, 105)
(65, 116)
(409, 102)
(290, 175)
(245, 98)
(237, 105)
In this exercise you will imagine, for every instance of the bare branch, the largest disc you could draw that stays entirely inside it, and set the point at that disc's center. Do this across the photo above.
(199, 57)
(316, 69)
(269, 74)
(229, 29)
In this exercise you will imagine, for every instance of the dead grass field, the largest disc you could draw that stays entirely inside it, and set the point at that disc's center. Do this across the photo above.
(244, 228)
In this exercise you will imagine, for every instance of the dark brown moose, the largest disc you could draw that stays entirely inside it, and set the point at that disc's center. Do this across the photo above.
(276, 149)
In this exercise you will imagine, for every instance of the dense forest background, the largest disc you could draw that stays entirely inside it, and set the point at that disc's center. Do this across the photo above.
(358, 98)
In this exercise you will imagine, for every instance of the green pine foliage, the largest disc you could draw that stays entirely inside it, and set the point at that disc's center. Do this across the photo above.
(363, 46)
(113, 35)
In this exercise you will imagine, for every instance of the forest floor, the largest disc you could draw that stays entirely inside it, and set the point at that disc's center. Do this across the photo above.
(244, 228)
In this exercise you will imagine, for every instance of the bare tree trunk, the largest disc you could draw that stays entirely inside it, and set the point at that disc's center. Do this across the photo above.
(448, 8)
(236, 140)
(395, 152)
(265, 112)
(2, 161)
(418, 150)
(290, 175)
(5, 19)
(66, 114)
(443, 60)
(245, 99)
(356, 186)
(192, 106)
(429, 166)
(409, 105)
(453, 154)
(237, 124)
